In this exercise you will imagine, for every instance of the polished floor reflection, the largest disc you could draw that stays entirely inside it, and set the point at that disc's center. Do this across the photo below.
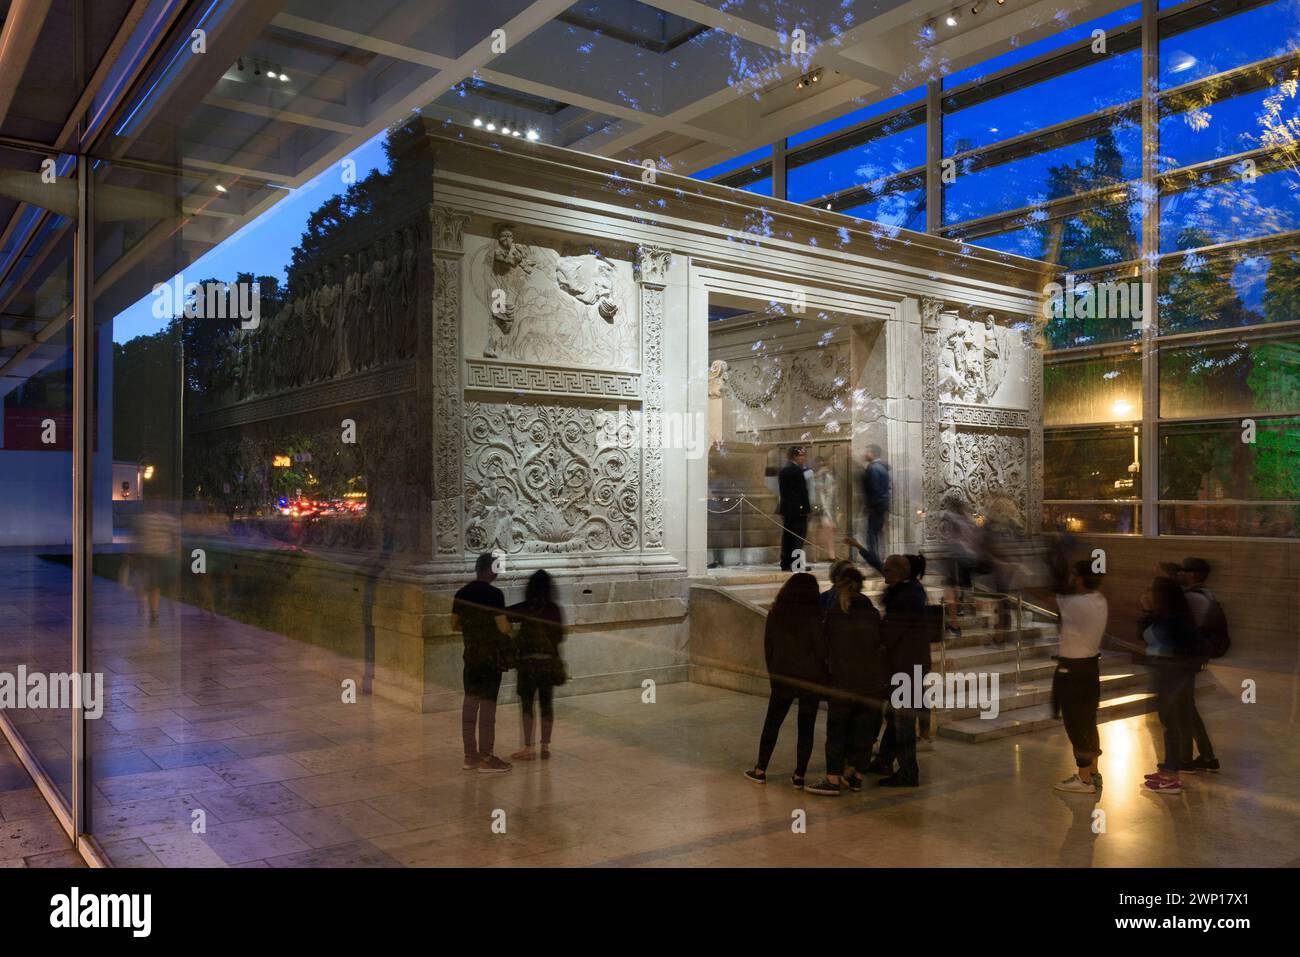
(249, 728)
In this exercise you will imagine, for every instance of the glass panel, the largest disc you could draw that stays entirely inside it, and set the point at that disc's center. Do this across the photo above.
(1109, 158)
(1224, 44)
(857, 116)
(1238, 289)
(1091, 464)
(1223, 127)
(1205, 461)
(754, 158)
(36, 382)
(1108, 82)
(904, 209)
(759, 187)
(1099, 236)
(1094, 390)
(856, 166)
(1227, 211)
(1028, 51)
(1111, 519)
(1255, 521)
(1230, 378)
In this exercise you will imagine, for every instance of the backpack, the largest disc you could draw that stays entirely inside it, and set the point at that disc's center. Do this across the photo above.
(1214, 630)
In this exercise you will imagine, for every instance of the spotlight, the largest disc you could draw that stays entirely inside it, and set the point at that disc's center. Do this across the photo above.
(1001, 2)
(952, 18)
(477, 121)
(284, 77)
(505, 131)
(532, 134)
(221, 189)
(817, 76)
(514, 132)
(272, 74)
(799, 85)
(978, 8)
(491, 127)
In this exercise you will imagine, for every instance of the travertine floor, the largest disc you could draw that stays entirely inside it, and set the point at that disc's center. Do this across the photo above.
(214, 716)
(30, 835)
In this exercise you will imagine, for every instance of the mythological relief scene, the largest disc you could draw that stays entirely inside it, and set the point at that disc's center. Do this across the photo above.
(554, 433)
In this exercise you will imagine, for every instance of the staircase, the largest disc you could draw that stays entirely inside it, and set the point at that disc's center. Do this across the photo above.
(1024, 701)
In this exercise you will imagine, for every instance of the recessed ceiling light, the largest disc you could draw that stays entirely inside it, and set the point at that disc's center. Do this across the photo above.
(491, 127)
(514, 132)
(272, 74)
(478, 121)
(284, 77)
(952, 18)
(221, 189)
(978, 7)
(532, 134)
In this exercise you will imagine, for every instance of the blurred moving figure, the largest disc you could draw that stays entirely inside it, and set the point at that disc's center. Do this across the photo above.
(1076, 684)
(1212, 624)
(850, 643)
(478, 612)
(968, 557)
(540, 666)
(796, 670)
(157, 554)
(1170, 636)
(825, 510)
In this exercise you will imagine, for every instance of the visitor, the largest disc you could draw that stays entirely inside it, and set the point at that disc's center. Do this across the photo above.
(933, 633)
(907, 648)
(540, 667)
(478, 612)
(796, 671)
(1170, 637)
(1076, 684)
(1212, 624)
(823, 488)
(875, 500)
(838, 567)
(793, 506)
(850, 646)
(967, 557)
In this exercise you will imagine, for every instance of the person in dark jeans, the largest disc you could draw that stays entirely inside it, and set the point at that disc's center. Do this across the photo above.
(1207, 615)
(1170, 635)
(541, 630)
(850, 643)
(907, 648)
(478, 613)
(1076, 683)
(796, 671)
(876, 493)
(793, 506)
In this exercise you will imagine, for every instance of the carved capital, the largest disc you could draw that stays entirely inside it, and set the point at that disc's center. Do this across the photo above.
(930, 309)
(448, 227)
(652, 265)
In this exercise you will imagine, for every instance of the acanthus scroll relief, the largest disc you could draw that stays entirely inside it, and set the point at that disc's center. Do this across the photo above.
(542, 479)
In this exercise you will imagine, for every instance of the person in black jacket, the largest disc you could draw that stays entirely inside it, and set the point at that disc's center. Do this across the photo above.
(856, 677)
(907, 648)
(793, 506)
(876, 496)
(1173, 653)
(540, 666)
(796, 670)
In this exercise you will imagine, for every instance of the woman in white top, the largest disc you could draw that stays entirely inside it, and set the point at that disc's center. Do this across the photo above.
(1076, 686)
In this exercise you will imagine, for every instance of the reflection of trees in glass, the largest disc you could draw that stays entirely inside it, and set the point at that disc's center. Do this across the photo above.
(1087, 463)
(1198, 293)
(1282, 131)
(1282, 288)
(1100, 234)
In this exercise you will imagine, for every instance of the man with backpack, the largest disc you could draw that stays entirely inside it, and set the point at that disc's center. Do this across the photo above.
(1212, 627)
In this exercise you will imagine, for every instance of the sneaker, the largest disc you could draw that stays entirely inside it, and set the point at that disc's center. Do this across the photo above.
(1206, 764)
(824, 787)
(757, 776)
(1075, 785)
(546, 752)
(898, 781)
(491, 764)
(1164, 785)
(797, 781)
(852, 781)
(471, 763)
(524, 754)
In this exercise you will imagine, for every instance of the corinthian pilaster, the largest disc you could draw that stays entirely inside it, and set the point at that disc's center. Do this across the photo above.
(448, 227)
(652, 275)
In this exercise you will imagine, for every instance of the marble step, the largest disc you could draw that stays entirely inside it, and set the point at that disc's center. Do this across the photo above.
(1043, 645)
(1032, 693)
(1123, 703)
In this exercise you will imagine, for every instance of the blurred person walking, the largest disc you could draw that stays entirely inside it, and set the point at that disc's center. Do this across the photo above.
(1076, 684)
(540, 665)
(478, 613)
(850, 646)
(796, 670)
(876, 495)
